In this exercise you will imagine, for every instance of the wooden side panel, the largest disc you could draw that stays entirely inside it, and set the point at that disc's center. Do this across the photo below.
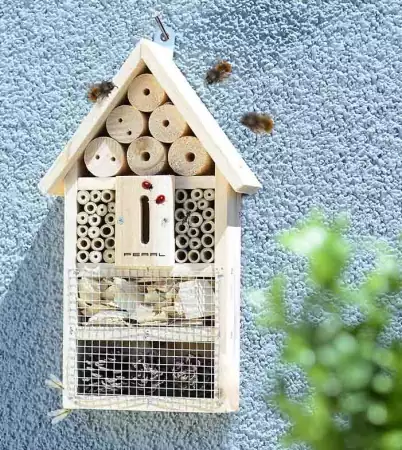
(91, 125)
(205, 127)
(135, 247)
(227, 261)
(69, 342)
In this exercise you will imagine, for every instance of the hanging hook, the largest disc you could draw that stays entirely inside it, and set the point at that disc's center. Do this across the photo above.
(164, 33)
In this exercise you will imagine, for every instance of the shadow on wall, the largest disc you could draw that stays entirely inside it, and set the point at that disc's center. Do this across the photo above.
(31, 349)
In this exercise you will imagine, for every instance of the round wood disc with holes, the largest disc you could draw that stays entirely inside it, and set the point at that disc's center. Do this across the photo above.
(105, 157)
(188, 157)
(145, 93)
(166, 124)
(147, 156)
(125, 123)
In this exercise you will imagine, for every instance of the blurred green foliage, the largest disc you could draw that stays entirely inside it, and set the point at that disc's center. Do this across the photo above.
(355, 395)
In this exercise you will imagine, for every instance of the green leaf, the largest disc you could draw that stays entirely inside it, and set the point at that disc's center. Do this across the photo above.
(377, 413)
(275, 315)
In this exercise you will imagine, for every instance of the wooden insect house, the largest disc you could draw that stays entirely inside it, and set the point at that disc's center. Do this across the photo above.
(152, 190)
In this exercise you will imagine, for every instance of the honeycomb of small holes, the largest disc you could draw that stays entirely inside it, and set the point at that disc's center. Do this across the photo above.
(188, 229)
(95, 225)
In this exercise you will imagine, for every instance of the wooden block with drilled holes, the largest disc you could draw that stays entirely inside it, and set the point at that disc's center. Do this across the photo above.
(144, 221)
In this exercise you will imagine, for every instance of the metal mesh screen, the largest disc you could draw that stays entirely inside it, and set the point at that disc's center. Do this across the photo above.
(143, 334)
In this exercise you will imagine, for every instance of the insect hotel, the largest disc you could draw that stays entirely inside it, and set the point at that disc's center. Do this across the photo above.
(152, 190)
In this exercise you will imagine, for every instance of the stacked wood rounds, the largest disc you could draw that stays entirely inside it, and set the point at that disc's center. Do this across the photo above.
(105, 157)
(145, 93)
(166, 124)
(147, 156)
(148, 136)
(126, 123)
(188, 157)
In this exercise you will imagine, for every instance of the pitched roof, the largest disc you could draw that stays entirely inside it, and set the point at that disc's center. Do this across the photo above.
(159, 60)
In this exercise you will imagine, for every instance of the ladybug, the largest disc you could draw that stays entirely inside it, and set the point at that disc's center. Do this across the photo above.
(147, 185)
(160, 199)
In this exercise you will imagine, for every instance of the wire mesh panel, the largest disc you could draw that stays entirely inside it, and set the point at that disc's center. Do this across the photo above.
(143, 334)
(160, 369)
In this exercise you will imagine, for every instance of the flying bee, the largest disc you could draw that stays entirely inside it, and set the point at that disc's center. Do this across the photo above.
(218, 72)
(100, 90)
(258, 123)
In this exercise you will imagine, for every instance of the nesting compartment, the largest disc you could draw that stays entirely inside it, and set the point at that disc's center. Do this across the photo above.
(96, 226)
(195, 226)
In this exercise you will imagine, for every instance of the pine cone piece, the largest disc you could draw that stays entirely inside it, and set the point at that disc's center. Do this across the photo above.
(146, 375)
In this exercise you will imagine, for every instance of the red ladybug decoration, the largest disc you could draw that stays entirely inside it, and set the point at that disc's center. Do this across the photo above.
(147, 185)
(160, 199)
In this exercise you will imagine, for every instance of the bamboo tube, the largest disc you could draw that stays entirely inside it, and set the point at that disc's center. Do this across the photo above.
(194, 232)
(181, 255)
(108, 256)
(107, 196)
(107, 231)
(208, 227)
(95, 196)
(83, 197)
(190, 205)
(109, 243)
(207, 255)
(145, 93)
(203, 204)
(194, 256)
(111, 207)
(188, 157)
(98, 244)
(147, 156)
(182, 241)
(208, 214)
(196, 194)
(195, 243)
(82, 256)
(83, 243)
(101, 210)
(125, 123)
(105, 157)
(95, 257)
(110, 218)
(94, 220)
(180, 214)
(181, 195)
(90, 208)
(195, 219)
(181, 227)
(166, 124)
(207, 240)
(82, 218)
(82, 230)
(209, 194)
(93, 232)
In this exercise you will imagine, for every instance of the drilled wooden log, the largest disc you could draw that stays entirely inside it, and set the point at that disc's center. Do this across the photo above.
(166, 124)
(105, 157)
(188, 157)
(147, 156)
(126, 123)
(145, 93)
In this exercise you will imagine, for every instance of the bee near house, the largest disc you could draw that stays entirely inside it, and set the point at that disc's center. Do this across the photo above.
(99, 91)
(258, 123)
(219, 72)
